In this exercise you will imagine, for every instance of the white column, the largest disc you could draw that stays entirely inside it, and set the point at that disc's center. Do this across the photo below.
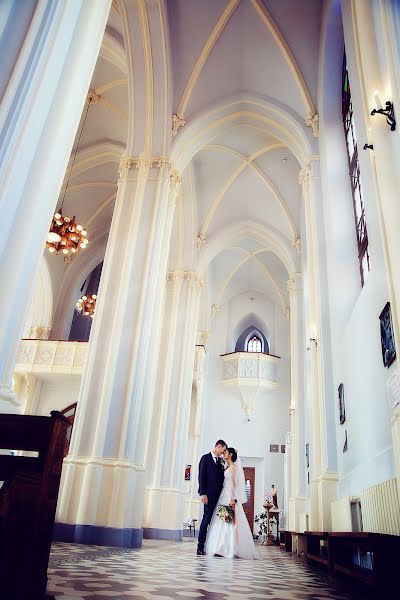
(296, 500)
(165, 494)
(193, 503)
(104, 475)
(39, 116)
(323, 443)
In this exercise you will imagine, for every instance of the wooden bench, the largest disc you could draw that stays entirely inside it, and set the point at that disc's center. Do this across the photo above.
(317, 552)
(286, 541)
(364, 564)
(28, 500)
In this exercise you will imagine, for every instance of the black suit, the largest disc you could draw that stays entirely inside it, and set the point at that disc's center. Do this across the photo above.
(211, 479)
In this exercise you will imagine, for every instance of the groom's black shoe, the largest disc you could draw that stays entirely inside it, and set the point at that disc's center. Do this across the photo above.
(200, 552)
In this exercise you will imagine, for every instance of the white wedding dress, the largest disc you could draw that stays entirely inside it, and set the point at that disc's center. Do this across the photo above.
(230, 539)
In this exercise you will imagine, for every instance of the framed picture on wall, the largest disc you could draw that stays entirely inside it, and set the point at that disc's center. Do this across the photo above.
(387, 338)
(187, 472)
(342, 411)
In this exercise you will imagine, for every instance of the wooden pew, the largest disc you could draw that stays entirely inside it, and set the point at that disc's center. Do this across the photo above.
(364, 564)
(28, 500)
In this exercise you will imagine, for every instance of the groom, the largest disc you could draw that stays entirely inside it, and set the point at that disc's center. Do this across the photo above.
(211, 479)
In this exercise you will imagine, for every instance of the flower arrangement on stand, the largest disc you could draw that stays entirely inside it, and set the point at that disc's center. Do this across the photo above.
(264, 521)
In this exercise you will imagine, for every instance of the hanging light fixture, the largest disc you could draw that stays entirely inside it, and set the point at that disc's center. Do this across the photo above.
(65, 234)
(86, 305)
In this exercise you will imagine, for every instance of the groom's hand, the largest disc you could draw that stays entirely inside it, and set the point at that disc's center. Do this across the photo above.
(204, 499)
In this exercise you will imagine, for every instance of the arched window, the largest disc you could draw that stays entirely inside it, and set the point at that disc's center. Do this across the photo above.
(252, 339)
(354, 171)
(254, 344)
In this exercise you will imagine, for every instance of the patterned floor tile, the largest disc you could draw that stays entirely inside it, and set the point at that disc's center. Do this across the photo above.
(172, 570)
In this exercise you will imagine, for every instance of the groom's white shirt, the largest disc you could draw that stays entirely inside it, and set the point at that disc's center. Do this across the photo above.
(214, 456)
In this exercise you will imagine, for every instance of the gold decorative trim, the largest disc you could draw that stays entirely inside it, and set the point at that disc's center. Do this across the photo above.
(110, 85)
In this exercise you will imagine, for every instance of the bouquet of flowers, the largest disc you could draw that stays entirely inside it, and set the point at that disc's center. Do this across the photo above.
(226, 513)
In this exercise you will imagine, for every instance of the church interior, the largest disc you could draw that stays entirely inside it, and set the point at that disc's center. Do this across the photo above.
(208, 197)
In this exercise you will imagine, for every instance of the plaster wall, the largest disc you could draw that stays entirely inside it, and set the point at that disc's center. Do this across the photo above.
(223, 416)
(354, 311)
(57, 394)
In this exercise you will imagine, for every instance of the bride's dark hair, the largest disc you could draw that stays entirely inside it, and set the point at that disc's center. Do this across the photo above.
(234, 454)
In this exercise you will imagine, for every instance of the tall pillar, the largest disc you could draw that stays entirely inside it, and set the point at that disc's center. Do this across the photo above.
(104, 474)
(317, 332)
(296, 500)
(193, 503)
(39, 116)
(165, 494)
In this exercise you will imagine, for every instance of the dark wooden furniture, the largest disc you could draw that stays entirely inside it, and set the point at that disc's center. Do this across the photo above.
(285, 543)
(317, 552)
(28, 500)
(364, 564)
(300, 545)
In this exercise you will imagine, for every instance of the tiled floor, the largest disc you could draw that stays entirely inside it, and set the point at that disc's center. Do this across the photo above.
(166, 570)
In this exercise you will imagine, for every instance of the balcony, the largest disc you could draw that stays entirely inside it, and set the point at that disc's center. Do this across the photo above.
(250, 372)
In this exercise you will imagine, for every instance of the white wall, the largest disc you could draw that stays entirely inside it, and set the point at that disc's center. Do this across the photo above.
(354, 312)
(57, 394)
(223, 416)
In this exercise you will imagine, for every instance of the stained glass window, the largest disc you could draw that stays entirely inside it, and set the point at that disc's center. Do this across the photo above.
(354, 171)
(254, 345)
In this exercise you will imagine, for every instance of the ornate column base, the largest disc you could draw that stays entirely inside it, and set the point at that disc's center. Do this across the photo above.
(164, 513)
(86, 515)
(297, 508)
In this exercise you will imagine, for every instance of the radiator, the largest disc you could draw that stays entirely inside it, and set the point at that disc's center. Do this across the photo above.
(380, 508)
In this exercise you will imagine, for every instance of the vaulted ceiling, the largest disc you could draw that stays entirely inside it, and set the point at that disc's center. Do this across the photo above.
(229, 58)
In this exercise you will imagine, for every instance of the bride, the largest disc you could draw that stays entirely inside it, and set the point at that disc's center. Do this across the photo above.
(231, 539)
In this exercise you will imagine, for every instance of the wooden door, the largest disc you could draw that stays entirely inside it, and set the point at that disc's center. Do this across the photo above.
(250, 478)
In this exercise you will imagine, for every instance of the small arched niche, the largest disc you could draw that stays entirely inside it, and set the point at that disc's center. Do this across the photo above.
(252, 339)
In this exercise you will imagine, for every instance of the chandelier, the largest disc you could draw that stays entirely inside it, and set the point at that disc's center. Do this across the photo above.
(86, 305)
(65, 234)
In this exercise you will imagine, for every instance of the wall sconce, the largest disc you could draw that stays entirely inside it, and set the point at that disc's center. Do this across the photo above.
(388, 112)
(368, 146)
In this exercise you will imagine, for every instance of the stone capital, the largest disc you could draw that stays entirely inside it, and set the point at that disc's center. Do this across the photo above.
(296, 242)
(312, 121)
(177, 122)
(93, 97)
(304, 176)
